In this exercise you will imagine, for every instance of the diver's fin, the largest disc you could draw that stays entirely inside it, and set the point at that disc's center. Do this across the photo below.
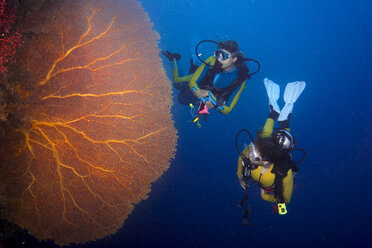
(292, 92)
(171, 56)
(273, 92)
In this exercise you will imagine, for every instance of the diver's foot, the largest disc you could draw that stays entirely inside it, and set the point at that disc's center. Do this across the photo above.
(171, 56)
(273, 114)
(285, 123)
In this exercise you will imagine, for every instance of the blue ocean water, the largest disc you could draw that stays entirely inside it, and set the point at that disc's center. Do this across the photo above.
(328, 44)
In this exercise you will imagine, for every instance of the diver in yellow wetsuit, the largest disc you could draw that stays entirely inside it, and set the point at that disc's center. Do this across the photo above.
(218, 82)
(267, 160)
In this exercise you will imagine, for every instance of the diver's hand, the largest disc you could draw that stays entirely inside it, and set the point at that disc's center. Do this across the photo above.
(201, 93)
(209, 104)
(244, 184)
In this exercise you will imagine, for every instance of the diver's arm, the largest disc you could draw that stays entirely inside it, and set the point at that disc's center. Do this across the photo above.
(239, 173)
(243, 75)
(176, 77)
(288, 187)
(287, 190)
(226, 108)
(240, 165)
(199, 73)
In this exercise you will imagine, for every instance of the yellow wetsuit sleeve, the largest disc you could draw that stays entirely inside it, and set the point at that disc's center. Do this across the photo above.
(239, 172)
(176, 77)
(266, 132)
(287, 190)
(246, 151)
(226, 109)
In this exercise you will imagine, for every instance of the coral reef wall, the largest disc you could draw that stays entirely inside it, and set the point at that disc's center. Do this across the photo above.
(86, 127)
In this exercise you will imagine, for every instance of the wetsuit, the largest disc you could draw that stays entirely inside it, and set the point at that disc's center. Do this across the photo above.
(185, 96)
(266, 180)
(225, 87)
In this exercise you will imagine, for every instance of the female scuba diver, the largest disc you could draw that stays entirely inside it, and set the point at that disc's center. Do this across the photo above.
(268, 159)
(217, 83)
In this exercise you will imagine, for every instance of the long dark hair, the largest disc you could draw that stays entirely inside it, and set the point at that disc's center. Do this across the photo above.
(270, 149)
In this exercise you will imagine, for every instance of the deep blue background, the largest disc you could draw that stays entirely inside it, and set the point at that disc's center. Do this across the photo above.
(328, 44)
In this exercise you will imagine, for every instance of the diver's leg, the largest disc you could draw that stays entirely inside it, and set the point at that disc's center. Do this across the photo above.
(193, 67)
(273, 91)
(185, 96)
(268, 128)
(285, 123)
(173, 58)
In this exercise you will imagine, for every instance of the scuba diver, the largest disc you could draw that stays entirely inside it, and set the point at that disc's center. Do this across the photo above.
(267, 160)
(217, 83)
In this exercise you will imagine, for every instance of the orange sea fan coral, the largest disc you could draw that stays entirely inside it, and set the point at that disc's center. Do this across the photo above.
(97, 128)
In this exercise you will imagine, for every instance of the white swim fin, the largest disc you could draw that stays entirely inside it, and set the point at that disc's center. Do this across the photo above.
(273, 92)
(292, 92)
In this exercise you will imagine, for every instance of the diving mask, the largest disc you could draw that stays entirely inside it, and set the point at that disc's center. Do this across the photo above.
(220, 54)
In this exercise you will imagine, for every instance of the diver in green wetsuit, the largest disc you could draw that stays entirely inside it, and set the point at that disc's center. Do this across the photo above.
(218, 82)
